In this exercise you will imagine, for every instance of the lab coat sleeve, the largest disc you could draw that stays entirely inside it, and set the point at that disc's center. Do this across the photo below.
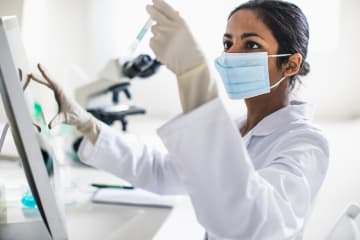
(196, 87)
(231, 199)
(125, 156)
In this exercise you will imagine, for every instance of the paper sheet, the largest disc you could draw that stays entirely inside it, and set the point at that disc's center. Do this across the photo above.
(132, 197)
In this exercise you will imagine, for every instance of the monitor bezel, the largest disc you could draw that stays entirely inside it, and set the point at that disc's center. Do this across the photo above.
(24, 135)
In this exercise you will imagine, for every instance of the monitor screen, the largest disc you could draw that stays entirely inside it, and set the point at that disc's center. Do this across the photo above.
(13, 68)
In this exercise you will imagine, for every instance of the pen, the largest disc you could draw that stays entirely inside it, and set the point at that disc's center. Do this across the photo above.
(98, 185)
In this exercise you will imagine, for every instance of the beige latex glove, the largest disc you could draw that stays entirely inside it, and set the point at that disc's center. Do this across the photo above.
(69, 111)
(175, 47)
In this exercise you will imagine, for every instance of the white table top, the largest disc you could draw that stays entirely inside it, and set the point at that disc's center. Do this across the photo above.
(127, 222)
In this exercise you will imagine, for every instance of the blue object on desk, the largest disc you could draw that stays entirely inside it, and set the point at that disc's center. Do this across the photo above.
(28, 200)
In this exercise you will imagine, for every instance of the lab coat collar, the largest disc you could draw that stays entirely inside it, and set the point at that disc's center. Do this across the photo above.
(295, 111)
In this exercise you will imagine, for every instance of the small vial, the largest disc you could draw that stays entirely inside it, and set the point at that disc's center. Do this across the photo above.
(134, 45)
(28, 200)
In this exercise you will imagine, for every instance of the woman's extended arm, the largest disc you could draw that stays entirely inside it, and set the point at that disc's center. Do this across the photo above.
(129, 158)
(175, 46)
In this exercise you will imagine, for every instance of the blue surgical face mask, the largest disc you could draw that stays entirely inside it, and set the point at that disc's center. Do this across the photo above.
(245, 75)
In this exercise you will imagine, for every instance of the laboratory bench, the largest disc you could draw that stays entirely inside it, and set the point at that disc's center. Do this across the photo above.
(88, 220)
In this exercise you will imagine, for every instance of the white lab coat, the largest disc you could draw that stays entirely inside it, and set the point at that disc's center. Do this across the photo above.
(262, 186)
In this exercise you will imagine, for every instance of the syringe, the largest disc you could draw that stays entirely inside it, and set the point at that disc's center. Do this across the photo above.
(139, 37)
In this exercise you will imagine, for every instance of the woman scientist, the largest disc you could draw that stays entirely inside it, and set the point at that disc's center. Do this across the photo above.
(252, 178)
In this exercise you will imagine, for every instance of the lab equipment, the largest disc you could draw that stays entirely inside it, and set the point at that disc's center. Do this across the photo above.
(11, 59)
(69, 111)
(117, 111)
(38, 115)
(134, 45)
(39, 121)
(110, 114)
(44, 131)
(142, 66)
(114, 79)
(246, 75)
(109, 75)
(28, 200)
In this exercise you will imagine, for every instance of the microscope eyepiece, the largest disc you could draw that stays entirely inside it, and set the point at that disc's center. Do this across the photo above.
(142, 66)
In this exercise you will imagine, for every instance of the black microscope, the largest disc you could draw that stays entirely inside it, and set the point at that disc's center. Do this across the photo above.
(115, 79)
(143, 66)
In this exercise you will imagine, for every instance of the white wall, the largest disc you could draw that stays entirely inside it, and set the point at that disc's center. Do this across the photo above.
(54, 34)
(342, 183)
(335, 79)
(71, 35)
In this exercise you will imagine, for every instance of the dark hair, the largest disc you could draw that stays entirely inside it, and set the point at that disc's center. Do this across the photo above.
(289, 26)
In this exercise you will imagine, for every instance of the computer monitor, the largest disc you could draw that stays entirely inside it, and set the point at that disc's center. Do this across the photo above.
(12, 58)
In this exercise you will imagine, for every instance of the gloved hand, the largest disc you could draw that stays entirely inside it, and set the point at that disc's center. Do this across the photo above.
(69, 111)
(173, 43)
(175, 47)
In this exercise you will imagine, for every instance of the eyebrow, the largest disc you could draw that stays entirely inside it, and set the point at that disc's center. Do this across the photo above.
(244, 35)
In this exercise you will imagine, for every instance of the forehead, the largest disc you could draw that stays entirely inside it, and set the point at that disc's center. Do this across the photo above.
(245, 21)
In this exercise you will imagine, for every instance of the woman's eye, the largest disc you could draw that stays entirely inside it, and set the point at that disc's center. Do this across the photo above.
(227, 45)
(252, 45)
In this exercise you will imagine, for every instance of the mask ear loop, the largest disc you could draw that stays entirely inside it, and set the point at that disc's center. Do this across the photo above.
(283, 78)
(278, 83)
(280, 55)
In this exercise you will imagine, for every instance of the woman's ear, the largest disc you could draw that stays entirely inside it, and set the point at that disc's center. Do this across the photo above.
(292, 67)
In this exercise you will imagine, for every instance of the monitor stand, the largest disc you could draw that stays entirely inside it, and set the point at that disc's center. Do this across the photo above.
(25, 230)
